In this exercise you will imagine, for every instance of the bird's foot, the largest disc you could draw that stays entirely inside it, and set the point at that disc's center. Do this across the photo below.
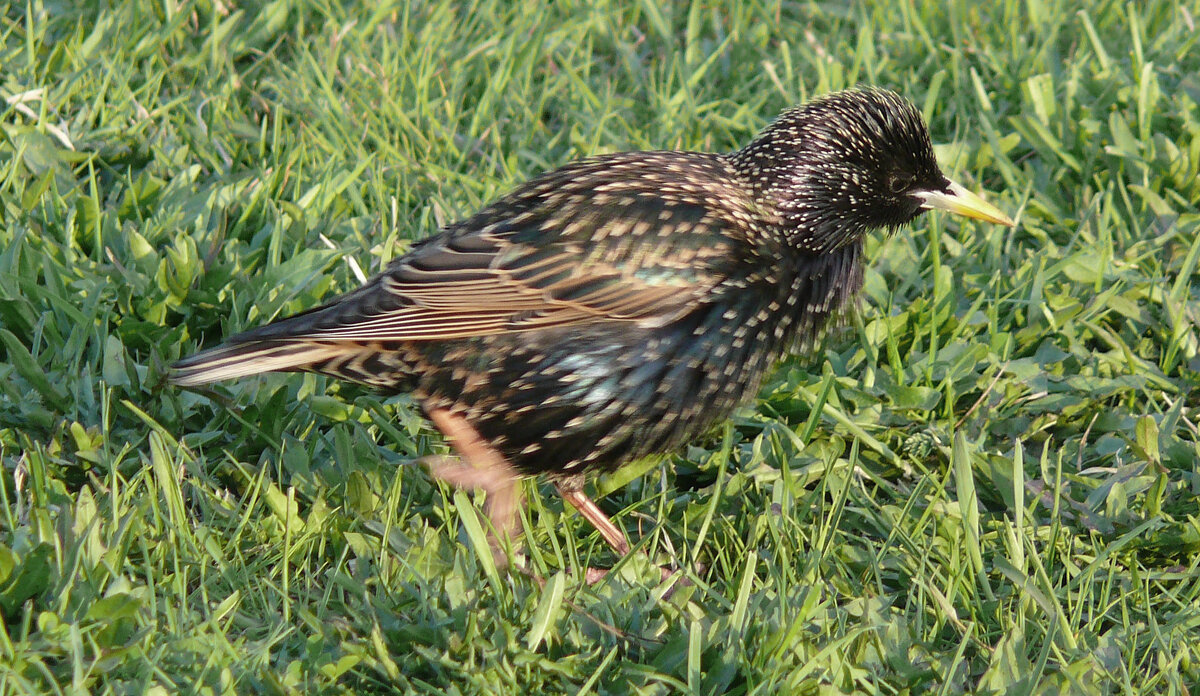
(611, 534)
(670, 578)
(480, 468)
(593, 575)
(503, 497)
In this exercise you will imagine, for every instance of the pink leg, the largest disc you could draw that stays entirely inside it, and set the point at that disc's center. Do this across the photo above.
(603, 524)
(599, 520)
(481, 468)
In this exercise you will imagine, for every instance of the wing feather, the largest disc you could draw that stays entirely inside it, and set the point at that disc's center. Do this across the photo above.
(618, 238)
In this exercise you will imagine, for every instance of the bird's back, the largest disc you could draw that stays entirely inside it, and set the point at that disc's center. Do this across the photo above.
(628, 238)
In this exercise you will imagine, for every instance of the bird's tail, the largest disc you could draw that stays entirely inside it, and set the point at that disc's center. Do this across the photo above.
(241, 359)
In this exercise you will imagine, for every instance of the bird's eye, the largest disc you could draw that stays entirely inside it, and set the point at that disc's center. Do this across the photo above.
(899, 183)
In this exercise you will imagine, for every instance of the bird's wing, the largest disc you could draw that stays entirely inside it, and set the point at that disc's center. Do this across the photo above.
(637, 238)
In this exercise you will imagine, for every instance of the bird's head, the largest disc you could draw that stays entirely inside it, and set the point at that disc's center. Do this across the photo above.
(850, 162)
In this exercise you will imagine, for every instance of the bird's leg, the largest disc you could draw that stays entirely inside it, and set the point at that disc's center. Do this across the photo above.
(579, 500)
(615, 538)
(481, 468)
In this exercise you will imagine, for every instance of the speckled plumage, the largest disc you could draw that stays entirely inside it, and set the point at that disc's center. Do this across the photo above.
(619, 305)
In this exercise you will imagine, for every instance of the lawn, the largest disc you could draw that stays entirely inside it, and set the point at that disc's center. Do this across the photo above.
(987, 481)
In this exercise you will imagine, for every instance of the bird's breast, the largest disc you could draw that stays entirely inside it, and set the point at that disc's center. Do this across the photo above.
(594, 397)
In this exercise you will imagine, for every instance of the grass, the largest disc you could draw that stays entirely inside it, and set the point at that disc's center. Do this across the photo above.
(987, 483)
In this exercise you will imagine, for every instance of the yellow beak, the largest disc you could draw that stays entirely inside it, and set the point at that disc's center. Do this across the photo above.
(960, 201)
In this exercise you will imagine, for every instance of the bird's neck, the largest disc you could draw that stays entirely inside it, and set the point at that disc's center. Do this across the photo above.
(809, 224)
(764, 168)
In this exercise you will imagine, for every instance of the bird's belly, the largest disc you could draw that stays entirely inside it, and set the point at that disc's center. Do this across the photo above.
(595, 397)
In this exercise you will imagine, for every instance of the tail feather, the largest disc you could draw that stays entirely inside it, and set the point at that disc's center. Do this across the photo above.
(250, 358)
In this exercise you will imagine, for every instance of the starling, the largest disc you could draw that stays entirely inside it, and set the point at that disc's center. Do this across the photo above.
(620, 305)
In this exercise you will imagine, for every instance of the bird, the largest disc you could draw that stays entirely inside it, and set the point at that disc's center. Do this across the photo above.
(620, 305)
